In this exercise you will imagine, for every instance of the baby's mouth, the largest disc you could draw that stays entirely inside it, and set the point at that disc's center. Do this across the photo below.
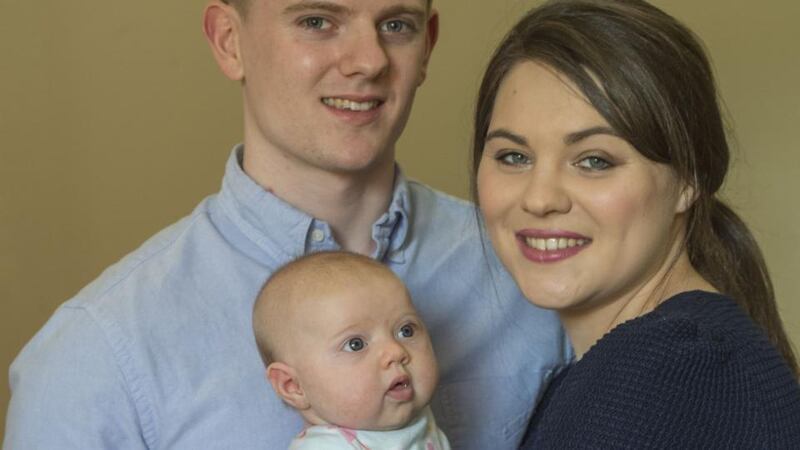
(402, 383)
(401, 389)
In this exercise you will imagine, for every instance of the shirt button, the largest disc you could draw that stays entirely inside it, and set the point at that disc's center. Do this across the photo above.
(317, 235)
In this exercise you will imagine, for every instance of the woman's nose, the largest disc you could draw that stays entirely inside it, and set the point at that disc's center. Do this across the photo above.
(546, 192)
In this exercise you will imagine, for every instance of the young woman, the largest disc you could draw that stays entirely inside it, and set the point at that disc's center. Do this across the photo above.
(599, 149)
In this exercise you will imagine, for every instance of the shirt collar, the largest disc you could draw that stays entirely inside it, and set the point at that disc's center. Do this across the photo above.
(278, 227)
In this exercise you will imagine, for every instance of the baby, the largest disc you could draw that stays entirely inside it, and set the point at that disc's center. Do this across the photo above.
(344, 346)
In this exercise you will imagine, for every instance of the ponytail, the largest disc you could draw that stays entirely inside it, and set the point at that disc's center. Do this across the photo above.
(727, 255)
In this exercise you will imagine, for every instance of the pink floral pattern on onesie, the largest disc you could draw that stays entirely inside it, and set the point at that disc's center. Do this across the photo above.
(420, 434)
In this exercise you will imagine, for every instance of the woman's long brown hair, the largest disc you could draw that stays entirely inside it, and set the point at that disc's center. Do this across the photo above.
(649, 77)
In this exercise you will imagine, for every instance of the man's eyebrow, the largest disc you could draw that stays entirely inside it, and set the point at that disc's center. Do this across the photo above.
(578, 136)
(502, 133)
(315, 5)
(398, 10)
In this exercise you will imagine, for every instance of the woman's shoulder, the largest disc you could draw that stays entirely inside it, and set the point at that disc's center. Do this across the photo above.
(697, 360)
(695, 323)
(693, 334)
(695, 372)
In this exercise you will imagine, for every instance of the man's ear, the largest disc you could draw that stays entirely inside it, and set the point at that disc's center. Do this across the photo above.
(431, 36)
(687, 197)
(286, 384)
(221, 26)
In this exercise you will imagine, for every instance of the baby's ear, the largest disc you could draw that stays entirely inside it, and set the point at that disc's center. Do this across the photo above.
(286, 384)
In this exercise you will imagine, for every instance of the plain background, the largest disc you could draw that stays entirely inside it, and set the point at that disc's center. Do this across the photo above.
(115, 122)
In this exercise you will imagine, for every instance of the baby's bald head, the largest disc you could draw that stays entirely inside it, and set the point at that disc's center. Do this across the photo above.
(280, 304)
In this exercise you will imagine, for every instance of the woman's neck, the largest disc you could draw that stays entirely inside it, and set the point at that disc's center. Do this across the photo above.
(588, 325)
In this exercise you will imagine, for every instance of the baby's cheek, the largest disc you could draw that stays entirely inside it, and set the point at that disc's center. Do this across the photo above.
(429, 377)
(354, 412)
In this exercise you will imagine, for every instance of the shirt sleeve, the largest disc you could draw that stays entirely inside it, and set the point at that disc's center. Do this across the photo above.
(68, 391)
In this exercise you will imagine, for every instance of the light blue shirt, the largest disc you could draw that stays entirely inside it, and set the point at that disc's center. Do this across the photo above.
(158, 352)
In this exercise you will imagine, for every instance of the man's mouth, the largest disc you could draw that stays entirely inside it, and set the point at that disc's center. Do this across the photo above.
(350, 105)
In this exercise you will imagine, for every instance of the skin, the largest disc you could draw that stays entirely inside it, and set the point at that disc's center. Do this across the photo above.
(344, 346)
(291, 55)
(553, 168)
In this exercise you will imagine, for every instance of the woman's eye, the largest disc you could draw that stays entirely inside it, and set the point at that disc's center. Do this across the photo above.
(315, 23)
(513, 159)
(354, 345)
(594, 163)
(406, 331)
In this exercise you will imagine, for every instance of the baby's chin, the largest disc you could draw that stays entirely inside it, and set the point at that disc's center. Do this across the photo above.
(387, 420)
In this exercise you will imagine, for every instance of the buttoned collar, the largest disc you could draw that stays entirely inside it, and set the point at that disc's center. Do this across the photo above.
(278, 227)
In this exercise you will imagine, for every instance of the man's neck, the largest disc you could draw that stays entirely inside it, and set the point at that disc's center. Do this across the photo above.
(349, 202)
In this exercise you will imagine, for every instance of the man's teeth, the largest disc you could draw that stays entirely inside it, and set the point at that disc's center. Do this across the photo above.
(551, 244)
(339, 103)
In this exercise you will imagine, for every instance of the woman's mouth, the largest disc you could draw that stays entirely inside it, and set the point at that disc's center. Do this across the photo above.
(550, 247)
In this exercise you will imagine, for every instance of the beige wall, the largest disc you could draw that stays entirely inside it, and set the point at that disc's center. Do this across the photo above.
(114, 122)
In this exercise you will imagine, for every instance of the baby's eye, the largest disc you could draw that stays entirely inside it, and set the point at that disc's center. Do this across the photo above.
(594, 163)
(406, 331)
(354, 345)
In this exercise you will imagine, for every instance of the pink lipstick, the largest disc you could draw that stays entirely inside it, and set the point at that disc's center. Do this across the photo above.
(550, 246)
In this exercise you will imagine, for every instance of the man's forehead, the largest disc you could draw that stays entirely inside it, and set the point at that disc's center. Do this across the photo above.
(291, 5)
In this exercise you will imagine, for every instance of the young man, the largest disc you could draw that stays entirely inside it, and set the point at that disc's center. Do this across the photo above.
(158, 351)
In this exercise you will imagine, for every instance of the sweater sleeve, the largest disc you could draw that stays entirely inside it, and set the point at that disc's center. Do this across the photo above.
(668, 384)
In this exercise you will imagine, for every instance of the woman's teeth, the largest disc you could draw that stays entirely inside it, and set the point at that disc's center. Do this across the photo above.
(339, 103)
(551, 244)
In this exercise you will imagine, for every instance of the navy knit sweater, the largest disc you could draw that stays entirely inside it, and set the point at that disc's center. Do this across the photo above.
(694, 373)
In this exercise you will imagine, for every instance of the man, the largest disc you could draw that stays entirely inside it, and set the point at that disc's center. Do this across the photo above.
(158, 352)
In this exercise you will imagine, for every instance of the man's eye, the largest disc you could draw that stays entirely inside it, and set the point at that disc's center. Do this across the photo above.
(396, 26)
(354, 345)
(406, 331)
(315, 23)
(513, 159)
(594, 163)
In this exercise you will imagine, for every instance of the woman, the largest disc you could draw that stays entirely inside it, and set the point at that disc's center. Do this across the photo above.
(598, 150)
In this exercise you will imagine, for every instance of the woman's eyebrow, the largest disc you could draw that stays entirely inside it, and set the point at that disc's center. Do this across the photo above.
(502, 133)
(578, 136)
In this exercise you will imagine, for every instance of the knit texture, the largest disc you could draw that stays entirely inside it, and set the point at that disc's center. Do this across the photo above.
(694, 373)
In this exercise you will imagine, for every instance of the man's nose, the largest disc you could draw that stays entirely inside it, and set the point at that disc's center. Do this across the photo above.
(364, 55)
